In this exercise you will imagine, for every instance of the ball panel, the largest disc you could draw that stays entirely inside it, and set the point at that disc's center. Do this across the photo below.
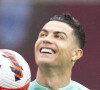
(14, 70)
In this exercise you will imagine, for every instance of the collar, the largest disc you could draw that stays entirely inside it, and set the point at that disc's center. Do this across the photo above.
(39, 87)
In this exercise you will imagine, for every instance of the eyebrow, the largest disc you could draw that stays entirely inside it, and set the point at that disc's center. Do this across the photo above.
(57, 32)
(44, 30)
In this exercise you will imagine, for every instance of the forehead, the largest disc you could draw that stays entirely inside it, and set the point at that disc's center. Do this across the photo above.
(58, 26)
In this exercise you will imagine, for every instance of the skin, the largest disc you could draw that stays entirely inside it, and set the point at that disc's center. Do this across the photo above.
(56, 67)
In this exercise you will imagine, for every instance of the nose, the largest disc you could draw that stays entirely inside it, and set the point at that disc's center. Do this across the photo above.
(48, 39)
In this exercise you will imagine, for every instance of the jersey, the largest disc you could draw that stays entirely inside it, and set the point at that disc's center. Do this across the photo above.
(73, 85)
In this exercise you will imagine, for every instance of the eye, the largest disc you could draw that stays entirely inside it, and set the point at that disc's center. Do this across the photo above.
(42, 34)
(59, 37)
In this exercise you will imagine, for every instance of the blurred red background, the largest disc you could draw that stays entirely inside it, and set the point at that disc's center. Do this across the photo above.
(19, 29)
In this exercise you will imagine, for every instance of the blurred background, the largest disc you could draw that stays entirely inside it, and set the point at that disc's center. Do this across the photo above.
(21, 21)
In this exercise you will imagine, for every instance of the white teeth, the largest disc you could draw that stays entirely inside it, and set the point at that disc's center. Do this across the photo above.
(44, 50)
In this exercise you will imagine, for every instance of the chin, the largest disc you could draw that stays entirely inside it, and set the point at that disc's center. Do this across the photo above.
(44, 63)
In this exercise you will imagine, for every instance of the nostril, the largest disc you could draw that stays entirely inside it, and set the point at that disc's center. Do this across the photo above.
(47, 41)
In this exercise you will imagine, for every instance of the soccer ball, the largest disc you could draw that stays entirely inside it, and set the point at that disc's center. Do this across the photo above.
(14, 71)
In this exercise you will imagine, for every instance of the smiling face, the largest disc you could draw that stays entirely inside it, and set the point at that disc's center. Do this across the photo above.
(55, 45)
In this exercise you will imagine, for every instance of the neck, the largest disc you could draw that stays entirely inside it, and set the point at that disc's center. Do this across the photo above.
(53, 77)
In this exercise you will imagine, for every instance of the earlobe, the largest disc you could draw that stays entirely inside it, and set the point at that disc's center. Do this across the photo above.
(77, 54)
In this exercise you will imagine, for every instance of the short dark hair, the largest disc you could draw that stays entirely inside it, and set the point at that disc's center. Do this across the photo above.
(78, 30)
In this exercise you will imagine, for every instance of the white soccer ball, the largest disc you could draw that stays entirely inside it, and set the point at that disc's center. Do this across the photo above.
(14, 71)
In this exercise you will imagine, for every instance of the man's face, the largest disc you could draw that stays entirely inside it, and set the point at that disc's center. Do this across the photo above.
(55, 45)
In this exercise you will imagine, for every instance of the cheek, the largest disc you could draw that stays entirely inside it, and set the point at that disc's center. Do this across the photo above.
(36, 45)
(65, 54)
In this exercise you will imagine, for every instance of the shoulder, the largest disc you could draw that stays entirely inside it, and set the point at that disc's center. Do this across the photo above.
(78, 85)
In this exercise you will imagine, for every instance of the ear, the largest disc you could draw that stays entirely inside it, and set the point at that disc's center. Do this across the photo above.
(77, 54)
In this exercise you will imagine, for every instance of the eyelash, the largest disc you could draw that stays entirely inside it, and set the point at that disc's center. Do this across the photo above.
(59, 36)
(42, 34)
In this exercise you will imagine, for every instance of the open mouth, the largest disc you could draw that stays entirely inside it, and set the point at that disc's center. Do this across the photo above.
(47, 50)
